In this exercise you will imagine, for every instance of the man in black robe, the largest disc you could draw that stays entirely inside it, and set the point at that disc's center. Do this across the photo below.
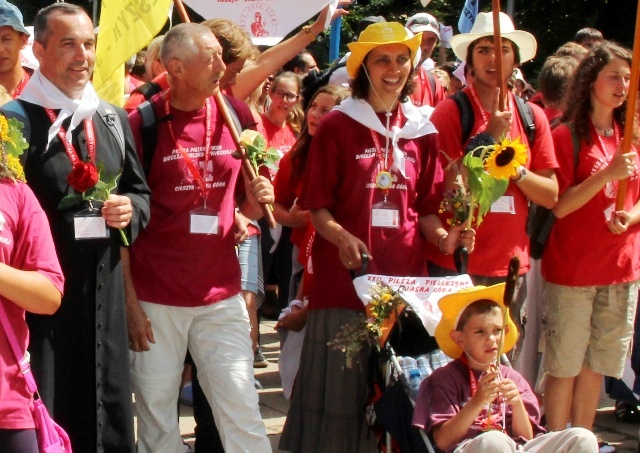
(80, 355)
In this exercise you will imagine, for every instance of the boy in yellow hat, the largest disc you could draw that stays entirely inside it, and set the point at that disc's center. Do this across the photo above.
(475, 405)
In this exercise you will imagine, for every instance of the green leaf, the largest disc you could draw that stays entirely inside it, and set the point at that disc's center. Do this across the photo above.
(16, 144)
(259, 142)
(69, 201)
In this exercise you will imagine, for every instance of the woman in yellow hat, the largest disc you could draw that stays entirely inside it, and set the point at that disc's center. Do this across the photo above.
(373, 186)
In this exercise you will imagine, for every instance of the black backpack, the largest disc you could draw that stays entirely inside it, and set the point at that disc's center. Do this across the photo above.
(541, 220)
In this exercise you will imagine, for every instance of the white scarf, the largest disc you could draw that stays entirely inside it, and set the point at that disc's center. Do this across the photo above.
(417, 124)
(42, 92)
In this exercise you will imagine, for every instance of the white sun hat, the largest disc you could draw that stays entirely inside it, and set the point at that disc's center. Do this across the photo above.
(483, 27)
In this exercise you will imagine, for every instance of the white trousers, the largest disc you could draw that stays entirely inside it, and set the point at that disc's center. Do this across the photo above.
(218, 338)
(570, 440)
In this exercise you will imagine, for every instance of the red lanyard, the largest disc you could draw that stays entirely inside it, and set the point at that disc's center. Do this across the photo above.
(21, 85)
(191, 165)
(383, 163)
(476, 100)
(71, 151)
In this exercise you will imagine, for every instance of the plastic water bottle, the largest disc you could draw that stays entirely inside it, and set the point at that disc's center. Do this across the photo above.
(414, 382)
(435, 360)
(424, 366)
(408, 366)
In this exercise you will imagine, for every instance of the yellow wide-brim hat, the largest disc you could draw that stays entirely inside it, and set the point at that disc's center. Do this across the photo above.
(452, 305)
(483, 27)
(378, 35)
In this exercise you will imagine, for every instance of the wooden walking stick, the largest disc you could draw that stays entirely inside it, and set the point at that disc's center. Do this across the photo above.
(631, 109)
(497, 45)
(222, 106)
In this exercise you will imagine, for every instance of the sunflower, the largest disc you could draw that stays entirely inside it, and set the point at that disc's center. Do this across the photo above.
(507, 156)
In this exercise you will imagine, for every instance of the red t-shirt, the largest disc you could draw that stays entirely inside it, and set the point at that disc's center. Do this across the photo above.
(340, 176)
(136, 98)
(423, 93)
(171, 266)
(501, 235)
(581, 250)
(281, 138)
(25, 244)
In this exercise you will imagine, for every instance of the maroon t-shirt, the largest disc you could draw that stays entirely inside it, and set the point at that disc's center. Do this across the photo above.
(170, 265)
(340, 176)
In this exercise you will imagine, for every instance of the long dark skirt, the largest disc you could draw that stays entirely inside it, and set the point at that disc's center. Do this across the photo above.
(327, 411)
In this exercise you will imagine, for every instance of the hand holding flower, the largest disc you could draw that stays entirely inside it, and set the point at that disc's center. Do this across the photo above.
(117, 211)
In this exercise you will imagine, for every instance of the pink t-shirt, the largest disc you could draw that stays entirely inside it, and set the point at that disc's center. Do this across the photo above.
(581, 250)
(170, 265)
(340, 176)
(25, 244)
(501, 234)
(444, 393)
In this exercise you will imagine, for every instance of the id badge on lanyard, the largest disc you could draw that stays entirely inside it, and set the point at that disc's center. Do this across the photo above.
(89, 224)
(385, 215)
(204, 221)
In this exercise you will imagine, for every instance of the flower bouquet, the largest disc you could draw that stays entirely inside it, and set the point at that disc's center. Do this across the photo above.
(374, 327)
(488, 169)
(12, 145)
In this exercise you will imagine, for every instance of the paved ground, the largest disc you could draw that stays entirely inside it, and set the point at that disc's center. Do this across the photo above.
(274, 406)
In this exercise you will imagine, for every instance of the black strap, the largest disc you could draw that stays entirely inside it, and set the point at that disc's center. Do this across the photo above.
(113, 122)
(466, 114)
(148, 89)
(526, 115)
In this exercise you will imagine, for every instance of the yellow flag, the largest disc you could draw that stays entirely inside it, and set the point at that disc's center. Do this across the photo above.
(126, 26)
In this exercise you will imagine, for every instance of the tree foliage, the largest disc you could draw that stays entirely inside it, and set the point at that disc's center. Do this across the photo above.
(552, 22)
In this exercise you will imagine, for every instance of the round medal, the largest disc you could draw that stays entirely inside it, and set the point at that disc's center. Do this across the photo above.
(384, 180)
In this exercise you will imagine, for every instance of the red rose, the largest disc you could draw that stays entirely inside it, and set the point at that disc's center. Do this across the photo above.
(83, 177)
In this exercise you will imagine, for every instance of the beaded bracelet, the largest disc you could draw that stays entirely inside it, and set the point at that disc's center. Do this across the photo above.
(307, 30)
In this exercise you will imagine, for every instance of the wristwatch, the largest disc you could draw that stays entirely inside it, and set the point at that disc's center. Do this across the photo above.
(523, 175)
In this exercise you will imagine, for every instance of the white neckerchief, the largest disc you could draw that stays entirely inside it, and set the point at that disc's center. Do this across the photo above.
(417, 124)
(42, 92)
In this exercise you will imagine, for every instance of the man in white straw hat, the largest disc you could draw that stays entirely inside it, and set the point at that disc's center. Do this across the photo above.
(503, 231)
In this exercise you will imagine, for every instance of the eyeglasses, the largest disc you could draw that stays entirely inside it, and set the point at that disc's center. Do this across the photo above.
(287, 96)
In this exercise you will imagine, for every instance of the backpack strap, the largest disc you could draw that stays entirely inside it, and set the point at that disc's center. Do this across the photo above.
(110, 117)
(148, 89)
(466, 114)
(432, 84)
(526, 115)
(148, 134)
(15, 109)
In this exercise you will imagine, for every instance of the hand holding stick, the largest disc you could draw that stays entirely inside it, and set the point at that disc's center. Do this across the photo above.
(246, 163)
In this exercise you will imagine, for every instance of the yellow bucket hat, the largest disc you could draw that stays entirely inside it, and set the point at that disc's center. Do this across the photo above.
(452, 306)
(377, 35)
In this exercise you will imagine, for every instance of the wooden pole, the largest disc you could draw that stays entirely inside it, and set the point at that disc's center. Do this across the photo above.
(497, 45)
(246, 164)
(222, 106)
(631, 109)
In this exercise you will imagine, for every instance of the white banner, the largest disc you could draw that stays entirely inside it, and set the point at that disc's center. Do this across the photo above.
(266, 21)
(421, 293)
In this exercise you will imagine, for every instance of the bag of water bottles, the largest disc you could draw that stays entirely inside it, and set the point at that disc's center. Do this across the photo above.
(417, 369)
